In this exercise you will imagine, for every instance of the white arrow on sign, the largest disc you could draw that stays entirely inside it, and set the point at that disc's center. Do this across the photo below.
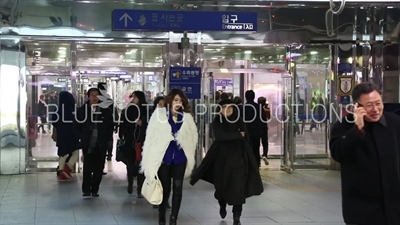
(125, 17)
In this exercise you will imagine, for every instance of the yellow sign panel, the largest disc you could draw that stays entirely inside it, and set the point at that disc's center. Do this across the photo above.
(345, 85)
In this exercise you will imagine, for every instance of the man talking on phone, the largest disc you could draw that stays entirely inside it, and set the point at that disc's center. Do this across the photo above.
(367, 144)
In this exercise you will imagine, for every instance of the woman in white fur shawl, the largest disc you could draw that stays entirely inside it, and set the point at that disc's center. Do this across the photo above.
(169, 149)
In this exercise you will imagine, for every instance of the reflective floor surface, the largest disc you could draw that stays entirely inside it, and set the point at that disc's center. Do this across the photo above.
(297, 199)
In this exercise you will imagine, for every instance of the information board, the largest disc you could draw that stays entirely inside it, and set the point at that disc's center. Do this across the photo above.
(186, 79)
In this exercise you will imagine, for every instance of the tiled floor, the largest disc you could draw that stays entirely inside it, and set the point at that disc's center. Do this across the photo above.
(40, 199)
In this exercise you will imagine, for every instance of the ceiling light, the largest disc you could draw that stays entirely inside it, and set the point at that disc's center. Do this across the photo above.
(95, 63)
(61, 51)
(114, 78)
(62, 48)
(126, 76)
(313, 52)
(247, 52)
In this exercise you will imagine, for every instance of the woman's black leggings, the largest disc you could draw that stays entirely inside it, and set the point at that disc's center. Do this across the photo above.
(176, 173)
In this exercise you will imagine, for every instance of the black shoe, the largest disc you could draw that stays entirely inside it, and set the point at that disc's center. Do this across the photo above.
(108, 158)
(86, 194)
(172, 220)
(139, 195)
(130, 189)
(236, 221)
(95, 195)
(104, 173)
(222, 212)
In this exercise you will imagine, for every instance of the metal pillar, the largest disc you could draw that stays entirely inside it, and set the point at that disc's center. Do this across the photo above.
(73, 64)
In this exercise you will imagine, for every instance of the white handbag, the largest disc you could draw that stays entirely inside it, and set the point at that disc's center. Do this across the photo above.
(152, 190)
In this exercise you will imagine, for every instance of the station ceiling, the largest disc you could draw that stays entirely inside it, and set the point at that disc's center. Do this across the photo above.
(106, 53)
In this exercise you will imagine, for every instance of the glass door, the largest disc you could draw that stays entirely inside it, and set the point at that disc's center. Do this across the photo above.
(311, 73)
(48, 73)
(287, 123)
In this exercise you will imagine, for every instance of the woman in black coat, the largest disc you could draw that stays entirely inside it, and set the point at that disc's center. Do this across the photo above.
(230, 164)
(132, 129)
(67, 136)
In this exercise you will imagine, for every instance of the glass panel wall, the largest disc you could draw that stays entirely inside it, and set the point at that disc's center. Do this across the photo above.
(124, 67)
(310, 68)
(14, 133)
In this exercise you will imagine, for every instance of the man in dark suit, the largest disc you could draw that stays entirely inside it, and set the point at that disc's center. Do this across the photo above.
(95, 126)
(367, 144)
(253, 114)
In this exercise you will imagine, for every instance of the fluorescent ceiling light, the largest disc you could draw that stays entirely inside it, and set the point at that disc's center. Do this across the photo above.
(62, 48)
(61, 51)
(95, 63)
(247, 52)
(313, 52)
(114, 78)
(126, 76)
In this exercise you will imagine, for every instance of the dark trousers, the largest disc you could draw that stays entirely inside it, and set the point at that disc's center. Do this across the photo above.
(264, 142)
(132, 170)
(93, 165)
(110, 148)
(43, 119)
(176, 173)
(255, 145)
(236, 209)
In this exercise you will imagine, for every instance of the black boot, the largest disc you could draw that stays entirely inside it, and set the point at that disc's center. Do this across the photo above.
(176, 201)
(222, 209)
(161, 217)
(172, 220)
(236, 221)
(130, 189)
(237, 212)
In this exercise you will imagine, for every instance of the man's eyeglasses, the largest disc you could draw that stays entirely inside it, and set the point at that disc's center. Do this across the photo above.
(370, 106)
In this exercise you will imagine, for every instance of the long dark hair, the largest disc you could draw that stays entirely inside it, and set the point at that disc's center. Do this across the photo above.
(141, 96)
(155, 103)
(170, 98)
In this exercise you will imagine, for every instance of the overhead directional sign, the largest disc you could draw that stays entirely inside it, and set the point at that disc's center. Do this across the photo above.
(186, 79)
(158, 20)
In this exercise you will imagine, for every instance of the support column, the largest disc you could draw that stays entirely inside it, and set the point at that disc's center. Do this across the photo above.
(334, 104)
(73, 72)
(378, 29)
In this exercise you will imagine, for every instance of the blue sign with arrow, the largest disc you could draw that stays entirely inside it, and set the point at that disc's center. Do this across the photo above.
(186, 79)
(159, 20)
